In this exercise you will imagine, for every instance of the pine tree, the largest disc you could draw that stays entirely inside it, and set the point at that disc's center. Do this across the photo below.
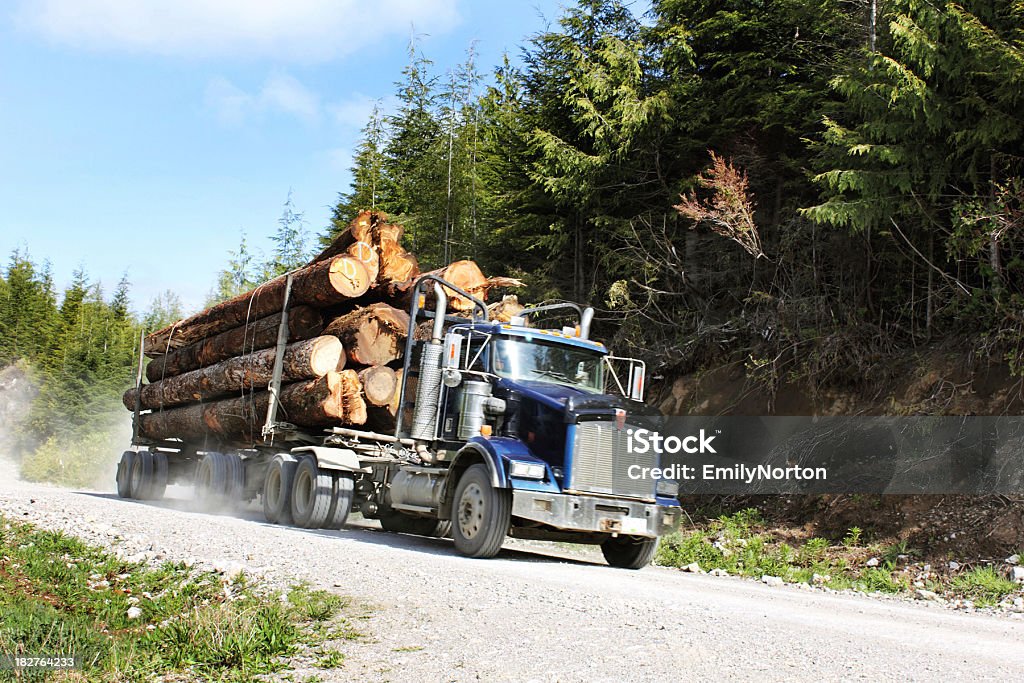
(291, 243)
(368, 180)
(414, 191)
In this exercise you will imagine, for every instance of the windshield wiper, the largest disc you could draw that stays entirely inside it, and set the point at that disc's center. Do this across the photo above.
(553, 373)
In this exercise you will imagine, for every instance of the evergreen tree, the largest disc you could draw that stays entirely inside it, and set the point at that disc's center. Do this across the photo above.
(414, 191)
(367, 188)
(291, 242)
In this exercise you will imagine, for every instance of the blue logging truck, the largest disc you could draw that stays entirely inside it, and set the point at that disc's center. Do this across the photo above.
(504, 429)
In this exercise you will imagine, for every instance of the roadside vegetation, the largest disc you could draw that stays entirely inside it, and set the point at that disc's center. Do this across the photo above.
(127, 621)
(742, 544)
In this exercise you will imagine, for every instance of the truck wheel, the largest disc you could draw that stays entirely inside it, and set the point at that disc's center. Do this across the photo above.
(629, 552)
(235, 477)
(212, 479)
(124, 474)
(277, 489)
(159, 475)
(142, 475)
(342, 492)
(480, 514)
(399, 523)
(311, 494)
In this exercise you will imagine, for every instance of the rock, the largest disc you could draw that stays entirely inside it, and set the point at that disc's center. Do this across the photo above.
(718, 571)
(772, 580)
(693, 568)
(1013, 559)
(873, 562)
(1018, 574)
(134, 612)
(819, 580)
(922, 594)
(953, 566)
(1018, 604)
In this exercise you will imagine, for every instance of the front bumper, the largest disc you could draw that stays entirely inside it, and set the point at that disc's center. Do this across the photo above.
(593, 514)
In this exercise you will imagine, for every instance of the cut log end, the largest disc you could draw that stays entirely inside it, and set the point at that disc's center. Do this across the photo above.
(379, 384)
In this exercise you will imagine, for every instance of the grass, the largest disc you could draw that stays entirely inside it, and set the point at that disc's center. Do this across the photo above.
(740, 544)
(127, 621)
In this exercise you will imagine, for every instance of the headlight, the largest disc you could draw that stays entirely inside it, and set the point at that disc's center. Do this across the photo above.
(667, 487)
(526, 470)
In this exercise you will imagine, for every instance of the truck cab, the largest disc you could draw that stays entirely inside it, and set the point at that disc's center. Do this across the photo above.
(531, 426)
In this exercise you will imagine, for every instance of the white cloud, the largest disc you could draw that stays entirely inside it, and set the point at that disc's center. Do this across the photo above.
(355, 112)
(284, 30)
(279, 93)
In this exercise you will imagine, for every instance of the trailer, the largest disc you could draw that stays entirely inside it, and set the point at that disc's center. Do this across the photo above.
(503, 430)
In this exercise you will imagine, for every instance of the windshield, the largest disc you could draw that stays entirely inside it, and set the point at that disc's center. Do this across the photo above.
(537, 361)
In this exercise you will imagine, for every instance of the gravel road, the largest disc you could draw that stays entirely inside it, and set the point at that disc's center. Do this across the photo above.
(531, 616)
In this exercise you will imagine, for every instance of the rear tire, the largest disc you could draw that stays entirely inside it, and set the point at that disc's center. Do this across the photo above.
(399, 523)
(311, 494)
(342, 492)
(481, 514)
(159, 475)
(629, 552)
(235, 477)
(142, 476)
(277, 489)
(124, 474)
(212, 480)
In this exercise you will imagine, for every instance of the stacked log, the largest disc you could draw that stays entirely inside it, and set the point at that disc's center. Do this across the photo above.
(346, 336)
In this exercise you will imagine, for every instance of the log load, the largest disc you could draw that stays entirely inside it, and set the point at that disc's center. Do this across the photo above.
(303, 360)
(463, 274)
(320, 284)
(383, 418)
(394, 263)
(372, 335)
(304, 322)
(331, 399)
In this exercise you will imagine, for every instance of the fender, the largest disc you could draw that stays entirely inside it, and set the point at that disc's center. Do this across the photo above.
(344, 459)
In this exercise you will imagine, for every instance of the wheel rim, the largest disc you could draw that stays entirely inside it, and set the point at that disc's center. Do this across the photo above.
(274, 487)
(471, 510)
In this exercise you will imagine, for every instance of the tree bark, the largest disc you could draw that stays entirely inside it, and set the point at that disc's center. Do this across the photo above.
(329, 400)
(302, 360)
(372, 335)
(319, 284)
(303, 323)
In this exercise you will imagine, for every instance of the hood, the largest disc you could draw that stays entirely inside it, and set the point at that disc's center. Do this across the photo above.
(576, 402)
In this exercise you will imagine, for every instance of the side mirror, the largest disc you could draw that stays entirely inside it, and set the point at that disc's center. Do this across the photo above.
(637, 375)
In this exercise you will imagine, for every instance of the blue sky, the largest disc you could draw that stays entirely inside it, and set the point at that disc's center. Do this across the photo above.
(145, 135)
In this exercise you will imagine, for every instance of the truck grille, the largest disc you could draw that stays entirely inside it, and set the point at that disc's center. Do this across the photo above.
(601, 462)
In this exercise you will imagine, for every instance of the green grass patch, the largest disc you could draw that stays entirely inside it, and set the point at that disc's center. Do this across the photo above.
(984, 585)
(127, 621)
(741, 545)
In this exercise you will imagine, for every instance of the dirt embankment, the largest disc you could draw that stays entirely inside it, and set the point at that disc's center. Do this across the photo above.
(938, 382)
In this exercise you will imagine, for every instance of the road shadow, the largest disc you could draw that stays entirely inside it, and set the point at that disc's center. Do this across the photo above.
(359, 530)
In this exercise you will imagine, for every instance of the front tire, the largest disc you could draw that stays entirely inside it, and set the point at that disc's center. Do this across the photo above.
(629, 552)
(481, 514)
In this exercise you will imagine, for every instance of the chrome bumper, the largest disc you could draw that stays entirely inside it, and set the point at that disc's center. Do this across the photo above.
(589, 513)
